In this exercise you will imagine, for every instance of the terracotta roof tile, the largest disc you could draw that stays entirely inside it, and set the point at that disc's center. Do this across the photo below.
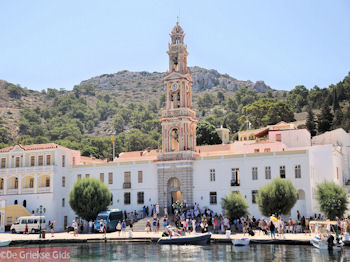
(33, 147)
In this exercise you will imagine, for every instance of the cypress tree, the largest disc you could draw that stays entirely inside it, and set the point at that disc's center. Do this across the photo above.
(325, 119)
(310, 122)
(335, 101)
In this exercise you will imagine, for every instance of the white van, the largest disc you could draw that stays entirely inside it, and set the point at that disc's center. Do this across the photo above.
(33, 223)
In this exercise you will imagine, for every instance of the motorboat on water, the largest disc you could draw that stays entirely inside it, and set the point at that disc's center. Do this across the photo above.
(4, 243)
(323, 243)
(241, 242)
(201, 239)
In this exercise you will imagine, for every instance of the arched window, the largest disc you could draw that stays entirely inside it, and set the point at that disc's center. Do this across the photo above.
(16, 202)
(25, 203)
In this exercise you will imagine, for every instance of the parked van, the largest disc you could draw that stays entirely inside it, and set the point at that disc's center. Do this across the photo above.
(33, 223)
(110, 218)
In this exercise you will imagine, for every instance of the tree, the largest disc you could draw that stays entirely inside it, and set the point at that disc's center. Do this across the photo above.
(332, 199)
(297, 97)
(266, 111)
(235, 205)
(277, 197)
(206, 134)
(310, 122)
(325, 119)
(88, 197)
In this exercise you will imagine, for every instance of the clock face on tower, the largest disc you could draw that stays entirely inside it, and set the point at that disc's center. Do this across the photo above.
(174, 87)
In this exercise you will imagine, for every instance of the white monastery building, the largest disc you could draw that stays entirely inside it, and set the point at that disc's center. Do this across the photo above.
(43, 174)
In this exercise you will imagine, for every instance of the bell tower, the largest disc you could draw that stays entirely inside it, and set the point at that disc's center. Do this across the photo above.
(178, 119)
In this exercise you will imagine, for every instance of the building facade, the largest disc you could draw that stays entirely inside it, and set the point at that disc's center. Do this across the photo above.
(182, 171)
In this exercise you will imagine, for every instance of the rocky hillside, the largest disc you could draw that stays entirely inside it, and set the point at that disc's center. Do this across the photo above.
(124, 86)
(202, 79)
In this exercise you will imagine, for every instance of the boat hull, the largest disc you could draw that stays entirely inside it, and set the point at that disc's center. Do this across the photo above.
(4, 243)
(241, 242)
(316, 242)
(185, 240)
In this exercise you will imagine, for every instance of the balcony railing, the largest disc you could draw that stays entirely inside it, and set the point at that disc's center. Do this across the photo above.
(27, 190)
(127, 185)
(234, 183)
(44, 189)
(178, 112)
(19, 170)
(12, 191)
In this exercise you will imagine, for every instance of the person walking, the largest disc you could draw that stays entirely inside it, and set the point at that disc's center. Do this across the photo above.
(272, 230)
(75, 227)
(123, 227)
(52, 228)
(119, 227)
(26, 231)
(132, 225)
(90, 226)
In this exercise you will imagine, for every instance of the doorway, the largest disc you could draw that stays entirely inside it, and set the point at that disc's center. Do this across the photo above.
(174, 192)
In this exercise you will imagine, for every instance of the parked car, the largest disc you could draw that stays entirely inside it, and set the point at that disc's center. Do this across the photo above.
(33, 223)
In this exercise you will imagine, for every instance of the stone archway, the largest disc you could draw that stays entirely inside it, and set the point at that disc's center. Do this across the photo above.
(174, 191)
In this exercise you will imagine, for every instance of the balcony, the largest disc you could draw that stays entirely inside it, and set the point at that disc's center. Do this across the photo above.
(44, 189)
(28, 190)
(127, 185)
(235, 183)
(178, 112)
(12, 191)
(173, 156)
(19, 170)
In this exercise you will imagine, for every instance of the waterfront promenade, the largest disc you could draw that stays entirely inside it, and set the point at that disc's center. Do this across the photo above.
(20, 239)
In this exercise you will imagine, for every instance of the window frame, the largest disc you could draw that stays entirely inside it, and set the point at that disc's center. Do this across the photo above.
(212, 174)
(213, 198)
(254, 173)
(267, 172)
(283, 171)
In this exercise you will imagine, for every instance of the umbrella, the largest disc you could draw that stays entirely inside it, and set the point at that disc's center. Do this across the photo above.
(274, 219)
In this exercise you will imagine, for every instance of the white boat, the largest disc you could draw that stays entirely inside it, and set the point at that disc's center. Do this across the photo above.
(4, 243)
(241, 242)
(323, 244)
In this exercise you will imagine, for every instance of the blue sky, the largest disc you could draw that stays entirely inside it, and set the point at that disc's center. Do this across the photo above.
(57, 44)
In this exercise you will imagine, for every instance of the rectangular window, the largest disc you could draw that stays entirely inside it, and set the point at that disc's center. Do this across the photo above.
(267, 172)
(63, 202)
(73, 161)
(267, 150)
(282, 171)
(16, 183)
(235, 179)
(40, 160)
(102, 177)
(212, 174)
(110, 178)
(63, 161)
(87, 175)
(48, 160)
(278, 137)
(1, 183)
(79, 176)
(47, 182)
(127, 180)
(31, 182)
(254, 173)
(127, 198)
(337, 173)
(65, 221)
(297, 171)
(140, 197)
(17, 161)
(3, 162)
(32, 161)
(254, 194)
(139, 177)
(63, 181)
(256, 150)
(213, 199)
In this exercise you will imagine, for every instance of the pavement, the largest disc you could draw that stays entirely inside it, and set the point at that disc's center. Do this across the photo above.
(142, 236)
